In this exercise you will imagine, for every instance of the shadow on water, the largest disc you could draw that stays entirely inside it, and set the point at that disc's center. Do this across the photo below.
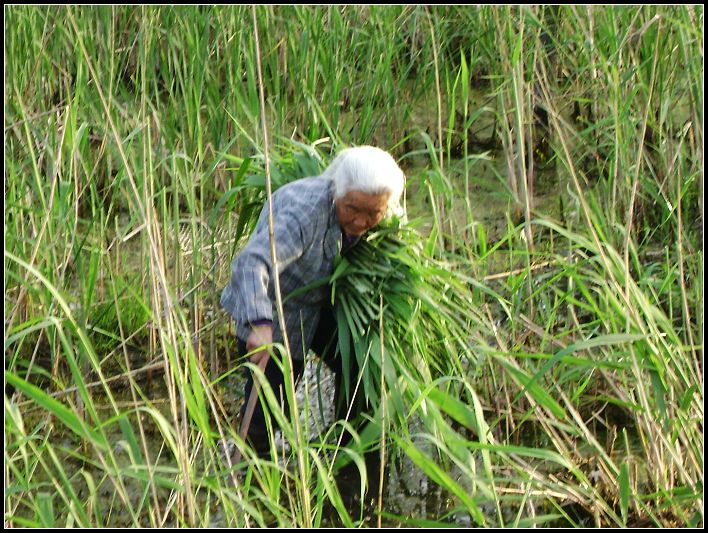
(408, 497)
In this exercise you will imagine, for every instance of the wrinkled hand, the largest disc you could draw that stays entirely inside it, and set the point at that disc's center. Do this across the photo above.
(260, 336)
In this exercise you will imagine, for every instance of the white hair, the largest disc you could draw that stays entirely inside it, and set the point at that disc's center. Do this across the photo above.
(367, 169)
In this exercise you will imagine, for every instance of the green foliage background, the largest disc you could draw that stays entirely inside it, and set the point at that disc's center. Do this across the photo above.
(559, 376)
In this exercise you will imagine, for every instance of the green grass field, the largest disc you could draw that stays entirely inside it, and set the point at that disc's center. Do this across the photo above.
(534, 332)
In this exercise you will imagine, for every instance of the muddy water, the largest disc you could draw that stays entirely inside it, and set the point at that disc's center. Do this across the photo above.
(408, 492)
(489, 198)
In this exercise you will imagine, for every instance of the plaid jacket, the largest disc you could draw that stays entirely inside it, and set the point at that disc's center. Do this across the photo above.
(307, 240)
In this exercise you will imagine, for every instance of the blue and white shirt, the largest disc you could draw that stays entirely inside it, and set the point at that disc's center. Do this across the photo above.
(307, 240)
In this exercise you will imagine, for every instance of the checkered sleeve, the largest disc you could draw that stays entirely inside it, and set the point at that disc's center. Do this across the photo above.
(252, 270)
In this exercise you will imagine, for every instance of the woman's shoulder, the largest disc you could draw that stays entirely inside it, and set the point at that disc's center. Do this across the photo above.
(306, 187)
(311, 196)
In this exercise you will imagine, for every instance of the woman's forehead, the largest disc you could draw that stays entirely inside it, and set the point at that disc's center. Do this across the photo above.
(366, 200)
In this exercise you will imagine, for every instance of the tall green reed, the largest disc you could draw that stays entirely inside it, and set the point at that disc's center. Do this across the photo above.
(134, 132)
(612, 224)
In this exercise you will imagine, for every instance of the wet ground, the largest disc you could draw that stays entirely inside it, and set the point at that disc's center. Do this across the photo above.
(407, 492)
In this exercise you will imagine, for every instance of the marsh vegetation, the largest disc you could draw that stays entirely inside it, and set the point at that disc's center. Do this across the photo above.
(535, 330)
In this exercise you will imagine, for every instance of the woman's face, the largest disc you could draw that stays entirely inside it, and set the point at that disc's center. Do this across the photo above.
(358, 212)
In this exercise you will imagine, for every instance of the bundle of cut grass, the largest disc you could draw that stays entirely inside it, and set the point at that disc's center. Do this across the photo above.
(388, 289)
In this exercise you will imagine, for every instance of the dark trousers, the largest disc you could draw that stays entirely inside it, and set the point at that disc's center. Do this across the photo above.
(324, 345)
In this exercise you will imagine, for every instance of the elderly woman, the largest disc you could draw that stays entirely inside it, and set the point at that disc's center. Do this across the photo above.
(315, 219)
